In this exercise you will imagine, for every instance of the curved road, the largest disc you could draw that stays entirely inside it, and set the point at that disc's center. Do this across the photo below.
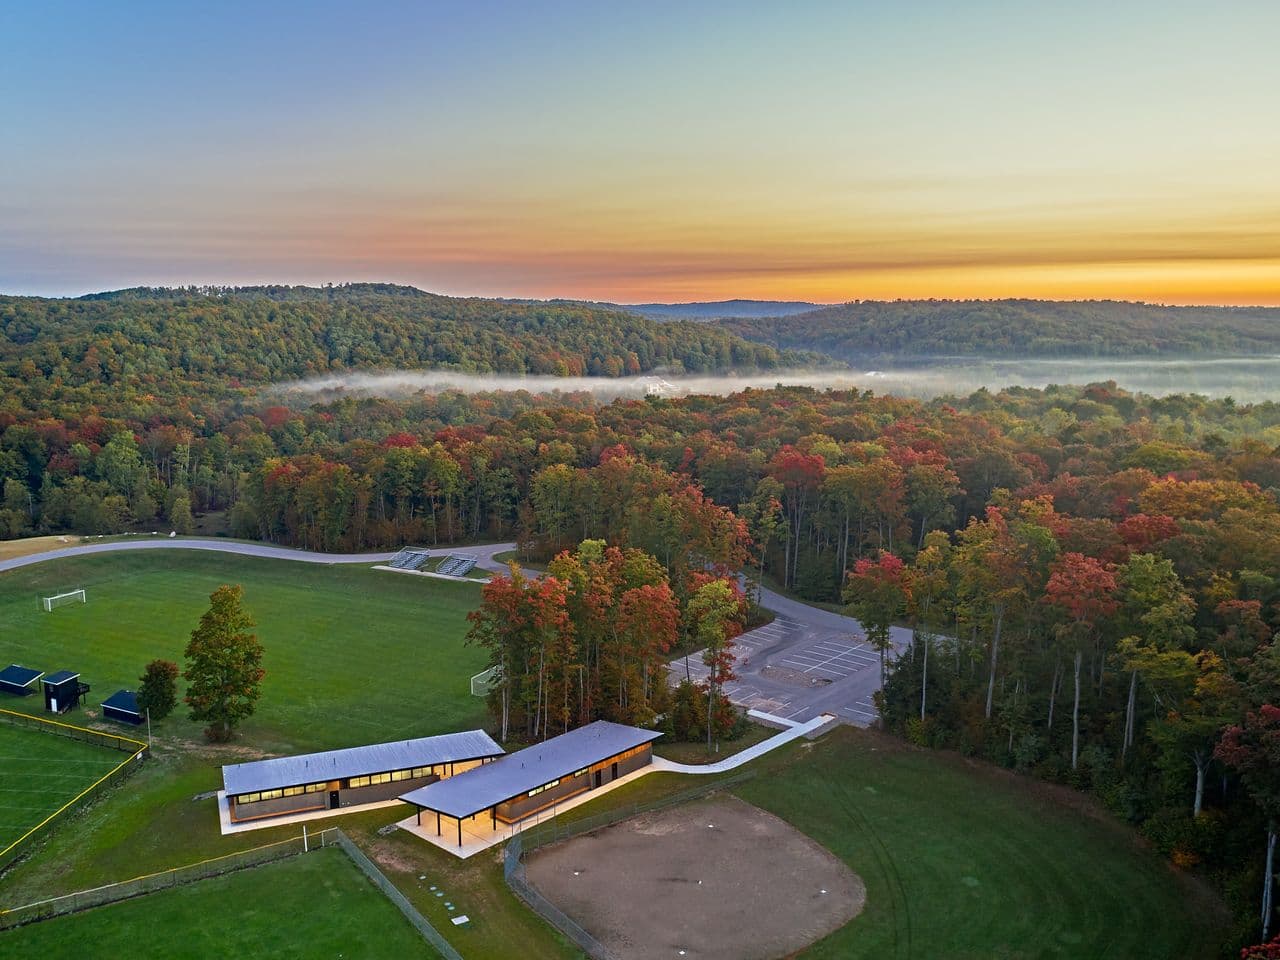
(808, 661)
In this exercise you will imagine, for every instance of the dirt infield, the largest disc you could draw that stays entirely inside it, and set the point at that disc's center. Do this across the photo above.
(717, 879)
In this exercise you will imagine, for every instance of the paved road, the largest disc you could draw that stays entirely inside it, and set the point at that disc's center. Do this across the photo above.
(483, 553)
(807, 662)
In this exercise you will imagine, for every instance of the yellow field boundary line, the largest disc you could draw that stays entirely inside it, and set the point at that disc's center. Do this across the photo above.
(136, 754)
(239, 854)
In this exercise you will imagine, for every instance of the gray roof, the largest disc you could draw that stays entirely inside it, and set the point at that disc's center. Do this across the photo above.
(357, 761)
(482, 787)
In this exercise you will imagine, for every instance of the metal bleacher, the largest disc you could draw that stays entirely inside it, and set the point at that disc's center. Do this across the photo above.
(409, 558)
(456, 565)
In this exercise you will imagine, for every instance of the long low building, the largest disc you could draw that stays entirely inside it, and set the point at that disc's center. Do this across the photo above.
(351, 777)
(531, 780)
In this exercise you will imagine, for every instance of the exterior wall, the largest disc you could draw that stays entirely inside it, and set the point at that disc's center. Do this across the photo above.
(347, 796)
(523, 806)
(279, 806)
(354, 796)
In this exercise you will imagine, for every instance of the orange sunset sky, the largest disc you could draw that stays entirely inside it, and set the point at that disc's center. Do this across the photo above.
(814, 151)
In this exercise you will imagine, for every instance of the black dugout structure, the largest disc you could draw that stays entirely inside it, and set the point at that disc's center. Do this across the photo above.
(63, 690)
(122, 706)
(335, 779)
(18, 680)
(535, 778)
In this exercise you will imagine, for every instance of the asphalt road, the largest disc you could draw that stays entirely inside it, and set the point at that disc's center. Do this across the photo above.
(808, 661)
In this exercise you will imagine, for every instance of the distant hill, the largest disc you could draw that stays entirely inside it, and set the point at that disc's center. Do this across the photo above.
(209, 336)
(867, 330)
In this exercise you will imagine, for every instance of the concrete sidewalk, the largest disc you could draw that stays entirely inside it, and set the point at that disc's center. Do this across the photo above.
(793, 732)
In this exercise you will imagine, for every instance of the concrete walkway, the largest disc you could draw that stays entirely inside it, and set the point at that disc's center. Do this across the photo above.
(793, 732)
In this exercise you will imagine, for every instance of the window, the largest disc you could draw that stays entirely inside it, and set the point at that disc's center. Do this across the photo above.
(422, 772)
(358, 782)
(582, 772)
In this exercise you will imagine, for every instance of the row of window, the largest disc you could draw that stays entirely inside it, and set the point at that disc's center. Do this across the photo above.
(277, 794)
(546, 786)
(393, 777)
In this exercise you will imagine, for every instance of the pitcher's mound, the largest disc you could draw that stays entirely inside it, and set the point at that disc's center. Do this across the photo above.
(717, 879)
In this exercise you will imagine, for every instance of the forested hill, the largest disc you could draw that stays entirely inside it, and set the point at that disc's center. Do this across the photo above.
(265, 334)
(869, 329)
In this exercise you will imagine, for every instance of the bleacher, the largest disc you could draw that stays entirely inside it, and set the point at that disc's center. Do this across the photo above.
(410, 558)
(456, 565)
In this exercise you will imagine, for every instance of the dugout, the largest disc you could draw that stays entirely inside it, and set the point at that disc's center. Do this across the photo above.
(18, 680)
(531, 780)
(352, 777)
(63, 690)
(122, 706)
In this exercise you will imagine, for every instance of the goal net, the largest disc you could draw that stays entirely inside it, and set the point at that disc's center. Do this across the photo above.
(482, 683)
(58, 599)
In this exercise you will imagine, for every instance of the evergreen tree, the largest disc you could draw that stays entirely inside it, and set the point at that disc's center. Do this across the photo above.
(224, 665)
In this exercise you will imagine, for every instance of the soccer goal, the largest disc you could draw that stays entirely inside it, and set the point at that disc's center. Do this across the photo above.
(58, 599)
(482, 683)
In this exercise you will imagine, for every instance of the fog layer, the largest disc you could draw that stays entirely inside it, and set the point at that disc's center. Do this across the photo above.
(1245, 379)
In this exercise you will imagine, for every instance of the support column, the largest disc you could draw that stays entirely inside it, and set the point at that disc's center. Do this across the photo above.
(437, 823)
(459, 831)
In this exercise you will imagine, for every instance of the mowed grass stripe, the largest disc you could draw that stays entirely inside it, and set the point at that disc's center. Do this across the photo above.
(28, 791)
(313, 905)
(353, 655)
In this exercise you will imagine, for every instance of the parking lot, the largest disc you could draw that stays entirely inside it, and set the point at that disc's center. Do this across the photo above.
(802, 664)
(831, 659)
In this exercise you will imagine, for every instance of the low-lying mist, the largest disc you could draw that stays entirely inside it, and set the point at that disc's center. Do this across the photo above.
(1245, 379)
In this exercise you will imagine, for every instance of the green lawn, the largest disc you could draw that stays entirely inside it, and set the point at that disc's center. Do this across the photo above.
(315, 905)
(353, 655)
(963, 861)
(39, 772)
(960, 860)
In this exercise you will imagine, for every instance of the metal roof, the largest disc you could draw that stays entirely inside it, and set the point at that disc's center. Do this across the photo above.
(17, 676)
(357, 761)
(124, 701)
(60, 676)
(485, 786)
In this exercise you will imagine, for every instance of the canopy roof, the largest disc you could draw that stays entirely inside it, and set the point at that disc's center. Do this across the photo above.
(124, 701)
(517, 773)
(16, 676)
(358, 761)
(60, 676)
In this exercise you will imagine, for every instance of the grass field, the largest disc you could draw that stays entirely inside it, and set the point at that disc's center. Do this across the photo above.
(964, 861)
(39, 772)
(959, 860)
(316, 905)
(382, 653)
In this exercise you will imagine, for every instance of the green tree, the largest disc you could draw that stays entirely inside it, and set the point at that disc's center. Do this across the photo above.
(158, 689)
(715, 614)
(180, 515)
(224, 665)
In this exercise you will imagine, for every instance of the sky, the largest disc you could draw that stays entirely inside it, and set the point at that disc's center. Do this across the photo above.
(646, 151)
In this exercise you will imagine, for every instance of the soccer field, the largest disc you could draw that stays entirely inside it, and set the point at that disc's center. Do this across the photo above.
(352, 655)
(314, 905)
(39, 772)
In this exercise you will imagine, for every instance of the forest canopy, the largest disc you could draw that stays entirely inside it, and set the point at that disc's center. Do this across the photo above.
(869, 329)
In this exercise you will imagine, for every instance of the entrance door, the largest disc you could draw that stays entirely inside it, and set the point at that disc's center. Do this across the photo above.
(598, 774)
(614, 774)
(333, 799)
